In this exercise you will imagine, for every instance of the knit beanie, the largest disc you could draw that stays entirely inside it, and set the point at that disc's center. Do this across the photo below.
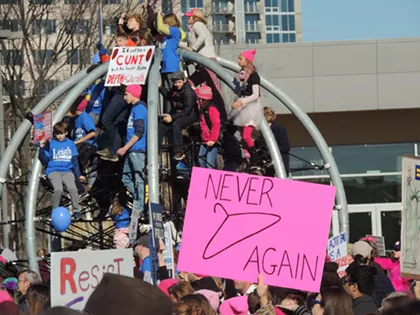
(212, 297)
(134, 90)
(249, 54)
(164, 285)
(235, 306)
(118, 294)
(204, 92)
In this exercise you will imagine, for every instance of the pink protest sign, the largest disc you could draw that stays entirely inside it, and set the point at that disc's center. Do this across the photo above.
(239, 225)
(43, 127)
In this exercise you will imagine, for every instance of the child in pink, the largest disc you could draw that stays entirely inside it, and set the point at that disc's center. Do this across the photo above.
(247, 111)
(393, 266)
(210, 127)
(121, 217)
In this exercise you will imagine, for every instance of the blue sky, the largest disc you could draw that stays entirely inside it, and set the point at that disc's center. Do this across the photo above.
(330, 20)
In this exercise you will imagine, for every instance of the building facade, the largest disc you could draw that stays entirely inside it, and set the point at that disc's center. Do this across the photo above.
(251, 21)
(364, 97)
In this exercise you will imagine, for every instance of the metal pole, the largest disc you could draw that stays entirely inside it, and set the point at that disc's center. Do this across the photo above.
(318, 139)
(5, 203)
(152, 129)
(226, 77)
(32, 195)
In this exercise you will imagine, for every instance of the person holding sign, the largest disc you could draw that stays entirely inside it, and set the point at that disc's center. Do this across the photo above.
(135, 145)
(182, 114)
(60, 156)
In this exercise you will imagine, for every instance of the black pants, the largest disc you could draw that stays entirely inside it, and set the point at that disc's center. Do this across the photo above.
(114, 122)
(174, 131)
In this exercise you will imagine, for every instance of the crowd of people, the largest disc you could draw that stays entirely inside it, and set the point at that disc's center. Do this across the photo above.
(110, 123)
(370, 285)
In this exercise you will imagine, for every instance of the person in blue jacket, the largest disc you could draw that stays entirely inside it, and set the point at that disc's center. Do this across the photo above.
(84, 127)
(60, 156)
(135, 144)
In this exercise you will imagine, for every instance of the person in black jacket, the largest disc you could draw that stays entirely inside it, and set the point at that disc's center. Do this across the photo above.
(280, 134)
(182, 114)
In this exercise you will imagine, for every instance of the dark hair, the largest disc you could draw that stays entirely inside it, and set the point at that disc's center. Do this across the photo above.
(38, 296)
(412, 308)
(330, 277)
(195, 304)
(395, 301)
(363, 276)
(336, 301)
(138, 35)
(60, 128)
(253, 302)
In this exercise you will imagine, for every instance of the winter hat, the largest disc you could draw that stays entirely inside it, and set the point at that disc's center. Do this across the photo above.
(235, 306)
(134, 90)
(5, 297)
(179, 75)
(212, 297)
(83, 104)
(190, 13)
(204, 92)
(330, 276)
(361, 248)
(397, 246)
(118, 294)
(164, 285)
(249, 54)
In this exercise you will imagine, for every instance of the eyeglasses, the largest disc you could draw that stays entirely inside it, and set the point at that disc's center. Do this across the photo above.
(344, 281)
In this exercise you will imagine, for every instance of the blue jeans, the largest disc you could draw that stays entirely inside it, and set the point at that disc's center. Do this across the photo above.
(133, 177)
(207, 156)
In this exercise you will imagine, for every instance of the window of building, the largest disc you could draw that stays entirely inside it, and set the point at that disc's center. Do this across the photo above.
(74, 1)
(195, 3)
(252, 38)
(110, 27)
(44, 57)
(291, 6)
(43, 1)
(77, 26)
(292, 38)
(222, 39)
(272, 22)
(12, 58)
(11, 25)
(105, 2)
(13, 87)
(44, 27)
(78, 56)
(285, 38)
(284, 22)
(291, 22)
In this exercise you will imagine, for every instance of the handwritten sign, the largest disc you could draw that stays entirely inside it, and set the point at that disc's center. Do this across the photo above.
(380, 244)
(168, 253)
(238, 226)
(76, 274)
(337, 251)
(43, 127)
(129, 65)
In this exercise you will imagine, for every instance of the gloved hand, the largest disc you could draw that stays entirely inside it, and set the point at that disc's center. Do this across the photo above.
(101, 48)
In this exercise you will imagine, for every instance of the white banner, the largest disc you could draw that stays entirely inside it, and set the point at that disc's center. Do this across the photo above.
(75, 275)
(168, 253)
(410, 223)
(129, 65)
(337, 251)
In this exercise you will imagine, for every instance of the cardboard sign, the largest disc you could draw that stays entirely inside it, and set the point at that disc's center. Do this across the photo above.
(337, 251)
(410, 242)
(168, 253)
(75, 275)
(129, 65)
(239, 225)
(43, 127)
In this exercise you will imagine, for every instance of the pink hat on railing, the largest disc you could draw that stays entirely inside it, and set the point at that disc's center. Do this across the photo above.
(249, 54)
(204, 92)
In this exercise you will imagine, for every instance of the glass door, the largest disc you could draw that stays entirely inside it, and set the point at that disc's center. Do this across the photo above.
(362, 221)
(388, 223)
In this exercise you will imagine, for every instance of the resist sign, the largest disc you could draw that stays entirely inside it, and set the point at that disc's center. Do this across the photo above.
(129, 65)
(239, 225)
(77, 274)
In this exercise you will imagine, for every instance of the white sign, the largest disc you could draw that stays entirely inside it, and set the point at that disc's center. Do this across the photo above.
(337, 251)
(75, 275)
(129, 65)
(168, 253)
(410, 242)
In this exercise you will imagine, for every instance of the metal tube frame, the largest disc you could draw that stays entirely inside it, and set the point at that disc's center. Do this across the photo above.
(341, 200)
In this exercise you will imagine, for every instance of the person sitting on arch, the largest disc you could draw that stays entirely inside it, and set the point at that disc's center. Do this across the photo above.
(182, 114)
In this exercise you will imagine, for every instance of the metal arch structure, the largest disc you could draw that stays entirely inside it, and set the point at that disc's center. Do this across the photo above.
(78, 82)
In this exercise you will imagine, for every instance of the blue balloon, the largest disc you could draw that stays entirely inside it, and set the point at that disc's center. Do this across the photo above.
(61, 219)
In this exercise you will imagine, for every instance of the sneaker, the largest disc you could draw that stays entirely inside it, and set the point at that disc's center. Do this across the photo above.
(103, 152)
(77, 215)
(179, 156)
(110, 157)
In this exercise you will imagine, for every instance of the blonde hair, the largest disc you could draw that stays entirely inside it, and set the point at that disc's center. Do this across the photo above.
(269, 114)
(116, 207)
(198, 16)
(172, 20)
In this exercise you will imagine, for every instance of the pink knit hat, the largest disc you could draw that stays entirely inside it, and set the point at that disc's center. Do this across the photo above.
(204, 92)
(235, 306)
(5, 297)
(249, 54)
(166, 284)
(212, 297)
(83, 104)
(134, 90)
